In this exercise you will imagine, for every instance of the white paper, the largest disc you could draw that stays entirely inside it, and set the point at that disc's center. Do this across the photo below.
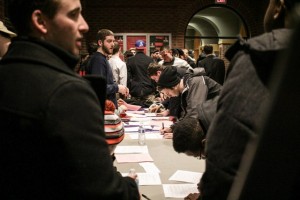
(179, 190)
(130, 158)
(131, 149)
(137, 123)
(150, 114)
(135, 115)
(186, 176)
(135, 112)
(149, 135)
(150, 167)
(131, 129)
(147, 178)
(139, 119)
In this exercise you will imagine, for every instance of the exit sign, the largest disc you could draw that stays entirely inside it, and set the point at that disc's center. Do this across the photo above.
(221, 1)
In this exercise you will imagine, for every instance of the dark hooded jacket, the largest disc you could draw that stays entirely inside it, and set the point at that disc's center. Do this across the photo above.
(242, 96)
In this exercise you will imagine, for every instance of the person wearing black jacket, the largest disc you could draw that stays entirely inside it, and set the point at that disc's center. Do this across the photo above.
(141, 87)
(52, 138)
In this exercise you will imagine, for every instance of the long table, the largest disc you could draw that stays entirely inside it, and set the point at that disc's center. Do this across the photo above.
(166, 159)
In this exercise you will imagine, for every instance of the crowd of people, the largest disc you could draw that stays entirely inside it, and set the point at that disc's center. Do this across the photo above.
(57, 142)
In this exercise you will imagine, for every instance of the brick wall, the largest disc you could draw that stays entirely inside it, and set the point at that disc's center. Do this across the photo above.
(160, 16)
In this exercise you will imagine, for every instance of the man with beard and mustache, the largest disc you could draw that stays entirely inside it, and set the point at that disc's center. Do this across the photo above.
(99, 65)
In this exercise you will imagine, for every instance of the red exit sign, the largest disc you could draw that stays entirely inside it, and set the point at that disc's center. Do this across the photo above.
(221, 1)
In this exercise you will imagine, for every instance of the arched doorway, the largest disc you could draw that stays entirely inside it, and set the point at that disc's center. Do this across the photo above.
(217, 25)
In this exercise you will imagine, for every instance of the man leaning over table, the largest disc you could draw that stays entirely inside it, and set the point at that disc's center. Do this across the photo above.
(194, 89)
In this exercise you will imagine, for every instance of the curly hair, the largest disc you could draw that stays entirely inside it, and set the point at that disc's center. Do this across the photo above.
(187, 135)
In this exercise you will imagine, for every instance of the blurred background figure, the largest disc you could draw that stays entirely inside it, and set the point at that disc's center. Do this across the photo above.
(5, 38)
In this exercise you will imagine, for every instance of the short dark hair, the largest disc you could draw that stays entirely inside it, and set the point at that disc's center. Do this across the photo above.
(153, 68)
(116, 48)
(92, 47)
(165, 47)
(20, 11)
(102, 33)
(208, 49)
(188, 135)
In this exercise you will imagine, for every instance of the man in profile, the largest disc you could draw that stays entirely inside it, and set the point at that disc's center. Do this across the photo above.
(52, 138)
(99, 65)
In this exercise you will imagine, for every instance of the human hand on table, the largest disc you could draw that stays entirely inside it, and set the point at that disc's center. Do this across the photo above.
(123, 90)
(192, 196)
(121, 102)
(166, 132)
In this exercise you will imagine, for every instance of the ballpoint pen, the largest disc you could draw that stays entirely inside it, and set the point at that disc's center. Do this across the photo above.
(146, 197)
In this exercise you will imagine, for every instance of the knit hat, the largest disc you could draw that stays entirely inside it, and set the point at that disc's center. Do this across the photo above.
(113, 128)
(168, 78)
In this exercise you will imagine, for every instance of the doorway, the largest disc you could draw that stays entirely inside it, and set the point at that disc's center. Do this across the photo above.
(218, 26)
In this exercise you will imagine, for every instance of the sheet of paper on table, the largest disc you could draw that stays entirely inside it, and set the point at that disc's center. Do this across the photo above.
(152, 135)
(186, 176)
(129, 158)
(179, 190)
(131, 129)
(147, 178)
(150, 167)
(131, 149)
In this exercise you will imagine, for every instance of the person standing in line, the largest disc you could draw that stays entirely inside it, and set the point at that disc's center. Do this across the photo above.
(99, 64)
(156, 56)
(142, 88)
(188, 58)
(52, 137)
(118, 66)
(244, 93)
(5, 38)
(214, 66)
(170, 60)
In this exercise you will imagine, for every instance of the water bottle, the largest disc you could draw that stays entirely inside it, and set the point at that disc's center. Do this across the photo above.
(133, 173)
(141, 135)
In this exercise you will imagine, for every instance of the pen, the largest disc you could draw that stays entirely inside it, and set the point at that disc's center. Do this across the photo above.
(145, 197)
(162, 125)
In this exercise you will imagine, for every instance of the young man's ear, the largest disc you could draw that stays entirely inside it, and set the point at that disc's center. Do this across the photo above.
(38, 21)
(99, 43)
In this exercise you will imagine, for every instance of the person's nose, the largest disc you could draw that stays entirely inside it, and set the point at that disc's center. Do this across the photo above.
(83, 27)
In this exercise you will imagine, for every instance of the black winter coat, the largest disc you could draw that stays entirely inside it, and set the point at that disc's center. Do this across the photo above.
(52, 139)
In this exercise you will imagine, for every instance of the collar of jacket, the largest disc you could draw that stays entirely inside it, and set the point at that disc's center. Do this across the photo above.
(41, 52)
(263, 51)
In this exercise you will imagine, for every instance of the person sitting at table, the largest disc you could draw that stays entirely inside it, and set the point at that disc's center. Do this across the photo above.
(193, 90)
